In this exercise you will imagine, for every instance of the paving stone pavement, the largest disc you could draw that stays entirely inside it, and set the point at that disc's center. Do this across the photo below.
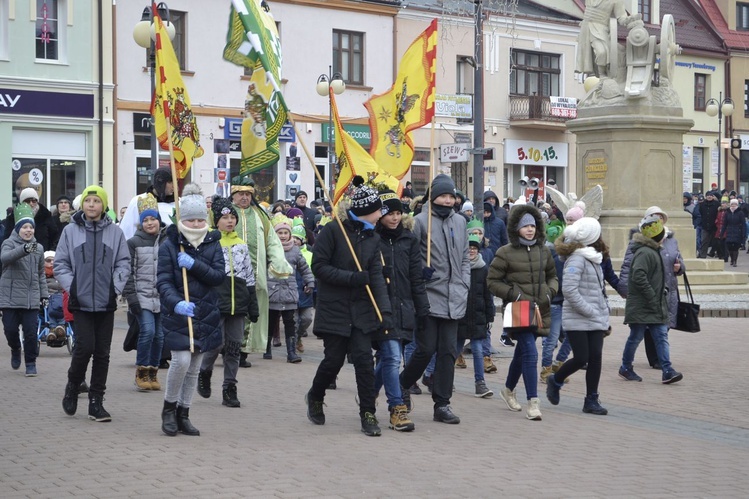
(690, 439)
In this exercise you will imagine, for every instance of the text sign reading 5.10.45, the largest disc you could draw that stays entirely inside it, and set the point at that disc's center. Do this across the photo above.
(535, 152)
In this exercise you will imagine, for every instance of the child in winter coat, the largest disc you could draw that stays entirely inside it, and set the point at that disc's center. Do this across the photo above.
(92, 263)
(23, 287)
(237, 299)
(283, 294)
(479, 313)
(305, 305)
(189, 245)
(142, 295)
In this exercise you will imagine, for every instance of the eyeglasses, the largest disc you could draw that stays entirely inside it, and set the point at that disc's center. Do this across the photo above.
(32, 201)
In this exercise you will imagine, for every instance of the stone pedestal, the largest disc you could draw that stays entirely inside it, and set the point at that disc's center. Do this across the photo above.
(637, 159)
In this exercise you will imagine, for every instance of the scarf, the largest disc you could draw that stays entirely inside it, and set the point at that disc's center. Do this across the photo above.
(288, 244)
(589, 254)
(442, 211)
(390, 234)
(476, 263)
(194, 236)
(525, 242)
(65, 217)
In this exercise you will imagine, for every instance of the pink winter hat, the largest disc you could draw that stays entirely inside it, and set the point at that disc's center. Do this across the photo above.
(575, 213)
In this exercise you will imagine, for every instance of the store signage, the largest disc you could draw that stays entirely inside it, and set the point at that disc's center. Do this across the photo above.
(563, 107)
(14, 101)
(233, 130)
(454, 153)
(453, 106)
(536, 152)
(360, 133)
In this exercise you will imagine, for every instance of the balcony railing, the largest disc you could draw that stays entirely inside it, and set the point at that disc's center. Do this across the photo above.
(536, 107)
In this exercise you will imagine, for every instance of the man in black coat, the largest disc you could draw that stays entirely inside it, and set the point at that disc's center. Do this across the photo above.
(308, 214)
(345, 317)
(708, 213)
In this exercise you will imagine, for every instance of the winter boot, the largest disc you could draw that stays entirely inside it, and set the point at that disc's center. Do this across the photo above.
(489, 366)
(169, 418)
(230, 396)
(96, 410)
(243, 362)
(153, 371)
(15, 359)
(593, 406)
(83, 388)
(399, 420)
(70, 400)
(460, 362)
(204, 383)
(183, 422)
(299, 346)
(142, 383)
(291, 356)
(545, 372)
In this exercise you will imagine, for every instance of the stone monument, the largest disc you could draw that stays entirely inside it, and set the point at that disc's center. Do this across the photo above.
(630, 124)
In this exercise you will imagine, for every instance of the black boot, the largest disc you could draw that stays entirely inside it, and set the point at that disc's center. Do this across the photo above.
(83, 388)
(593, 406)
(183, 422)
(243, 362)
(230, 396)
(70, 400)
(169, 418)
(204, 384)
(291, 356)
(96, 410)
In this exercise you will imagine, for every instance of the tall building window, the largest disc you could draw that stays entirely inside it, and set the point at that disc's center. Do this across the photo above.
(644, 8)
(47, 34)
(348, 56)
(464, 76)
(4, 30)
(700, 91)
(534, 73)
(179, 19)
(742, 16)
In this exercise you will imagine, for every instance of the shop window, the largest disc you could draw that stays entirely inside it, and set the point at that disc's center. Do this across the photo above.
(348, 56)
(50, 26)
(51, 177)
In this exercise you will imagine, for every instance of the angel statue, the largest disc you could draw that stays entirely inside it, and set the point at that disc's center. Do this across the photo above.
(591, 202)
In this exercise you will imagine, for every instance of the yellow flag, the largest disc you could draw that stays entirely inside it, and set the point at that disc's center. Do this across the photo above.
(354, 160)
(408, 105)
(173, 117)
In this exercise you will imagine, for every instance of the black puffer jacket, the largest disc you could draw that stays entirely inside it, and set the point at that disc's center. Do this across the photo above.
(340, 304)
(406, 288)
(205, 274)
(480, 311)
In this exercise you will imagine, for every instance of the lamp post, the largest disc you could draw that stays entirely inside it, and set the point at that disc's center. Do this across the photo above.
(721, 107)
(144, 34)
(324, 83)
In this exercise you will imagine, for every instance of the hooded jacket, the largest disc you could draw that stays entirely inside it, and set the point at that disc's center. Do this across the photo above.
(141, 285)
(23, 283)
(498, 208)
(585, 306)
(92, 263)
(647, 293)
(496, 231)
(515, 272)
(480, 310)
(283, 294)
(708, 214)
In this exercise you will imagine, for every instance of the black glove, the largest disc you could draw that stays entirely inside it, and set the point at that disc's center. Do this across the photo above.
(135, 309)
(387, 271)
(44, 302)
(253, 311)
(427, 273)
(360, 279)
(29, 247)
(387, 324)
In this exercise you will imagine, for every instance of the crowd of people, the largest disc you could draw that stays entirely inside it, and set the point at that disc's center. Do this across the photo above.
(395, 284)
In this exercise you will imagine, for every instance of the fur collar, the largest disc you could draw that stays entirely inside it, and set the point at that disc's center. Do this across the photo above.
(516, 213)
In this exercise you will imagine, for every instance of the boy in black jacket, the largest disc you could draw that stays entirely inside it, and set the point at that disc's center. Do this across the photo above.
(345, 315)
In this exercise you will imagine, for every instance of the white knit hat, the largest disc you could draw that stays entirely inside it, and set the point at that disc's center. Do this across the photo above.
(467, 206)
(585, 231)
(28, 193)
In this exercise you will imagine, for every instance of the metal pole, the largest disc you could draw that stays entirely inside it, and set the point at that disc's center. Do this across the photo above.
(331, 152)
(154, 145)
(478, 109)
(720, 134)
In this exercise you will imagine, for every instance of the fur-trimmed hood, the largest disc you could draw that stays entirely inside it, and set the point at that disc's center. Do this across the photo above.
(566, 249)
(645, 241)
(516, 213)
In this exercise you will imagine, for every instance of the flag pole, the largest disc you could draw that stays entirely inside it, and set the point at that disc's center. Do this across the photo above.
(326, 193)
(429, 215)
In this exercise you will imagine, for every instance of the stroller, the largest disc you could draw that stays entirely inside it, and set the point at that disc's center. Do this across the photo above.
(54, 337)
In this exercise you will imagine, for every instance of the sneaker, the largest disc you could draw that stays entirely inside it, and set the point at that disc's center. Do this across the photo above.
(204, 384)
(415, 389)
(506, 341)
(369, 425)
(399, 420)
(509, 397)
(268, 356)
(460, 362)
(96, 411)
(482, 391)
(593, 406)
(628, 374)
(31, 370)
(59, 332)
(15, 359)
(534, 409)
(545, 372)
(444, 414)
(552, 390)
(315, 410)
(668, 377)
(489, 366)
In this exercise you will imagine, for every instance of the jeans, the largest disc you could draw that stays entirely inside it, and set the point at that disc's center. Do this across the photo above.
(387, 371)
(549, 343)
(707, 239)
(440, 336)
(150, 339)
(408, 351)
(486, 344)
(698, 236)
(182, 377)
(478, 360)
(93, 339)
(232, 331)
(335, 349)
(28, 320)
(588, 349)
(660, 337)
(564, 350)
(55, 313)
(524, 363)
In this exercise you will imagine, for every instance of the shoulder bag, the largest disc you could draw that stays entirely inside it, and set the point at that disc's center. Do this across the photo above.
(687, 313)
(524, 315)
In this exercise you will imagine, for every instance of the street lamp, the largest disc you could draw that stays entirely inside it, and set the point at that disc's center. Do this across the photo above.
(144, 34)
(324, 83)
(719, 108)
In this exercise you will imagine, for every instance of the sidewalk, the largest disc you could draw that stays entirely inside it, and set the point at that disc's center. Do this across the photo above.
(690, 439)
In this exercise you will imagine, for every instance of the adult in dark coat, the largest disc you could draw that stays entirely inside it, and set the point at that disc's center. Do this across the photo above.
(345, 317)
(708, 214)
(45, 231)
(494, 228)
(734, 230)
(490, 197)
(300, 201)
(62, 216)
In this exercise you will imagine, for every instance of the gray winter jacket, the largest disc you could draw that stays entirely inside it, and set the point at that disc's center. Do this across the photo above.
(92, 263)
(585, 307)
(448, 291)
(23, 283)
(144, 257)
(283, 294)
